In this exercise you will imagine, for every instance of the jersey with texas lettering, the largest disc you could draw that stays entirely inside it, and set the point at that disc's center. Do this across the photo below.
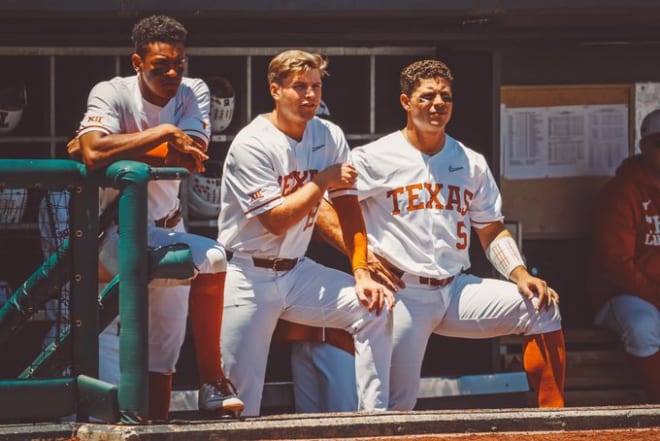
(117, 106)
(419, 208)
(263, 165)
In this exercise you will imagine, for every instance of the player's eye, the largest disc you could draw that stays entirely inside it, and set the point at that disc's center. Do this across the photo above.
(446, 97)
(164, 68)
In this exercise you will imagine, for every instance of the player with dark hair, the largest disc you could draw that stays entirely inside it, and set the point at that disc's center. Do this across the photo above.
(421, 192)
(162, 118)
(624, 272)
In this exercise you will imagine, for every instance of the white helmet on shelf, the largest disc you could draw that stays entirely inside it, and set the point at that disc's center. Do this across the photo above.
(222, 103)
(203, 192)
(13, 98)
(12, 204)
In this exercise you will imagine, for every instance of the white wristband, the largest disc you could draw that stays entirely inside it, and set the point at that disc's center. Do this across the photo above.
(504, 255)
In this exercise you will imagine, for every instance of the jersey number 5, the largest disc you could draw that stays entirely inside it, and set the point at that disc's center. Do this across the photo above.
(462, 234)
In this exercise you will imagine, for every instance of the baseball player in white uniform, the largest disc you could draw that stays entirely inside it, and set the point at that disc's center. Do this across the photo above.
(162, 118)
(322, 359)
(421, 192)
(276, 172)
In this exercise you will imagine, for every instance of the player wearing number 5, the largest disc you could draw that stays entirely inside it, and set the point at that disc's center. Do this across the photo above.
(277, 170)
(421, 192)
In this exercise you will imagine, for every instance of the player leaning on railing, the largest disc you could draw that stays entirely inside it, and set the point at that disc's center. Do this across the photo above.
(160, 117)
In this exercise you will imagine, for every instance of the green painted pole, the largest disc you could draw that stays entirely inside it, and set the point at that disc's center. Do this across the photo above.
(84, 281)
(131, 178)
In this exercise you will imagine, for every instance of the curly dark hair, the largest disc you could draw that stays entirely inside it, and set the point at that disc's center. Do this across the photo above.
(157, 28)
(412, 74)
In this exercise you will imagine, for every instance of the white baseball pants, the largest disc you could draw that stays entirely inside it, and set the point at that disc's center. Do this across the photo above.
(311, 294)
(468, 307)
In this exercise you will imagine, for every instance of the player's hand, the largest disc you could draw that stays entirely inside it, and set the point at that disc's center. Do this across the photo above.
(530, 286)
(341, 175)
(382, 274)
(372, 294)
(180, 141)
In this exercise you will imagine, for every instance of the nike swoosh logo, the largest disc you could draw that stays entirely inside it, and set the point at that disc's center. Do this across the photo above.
(452, 169)
(318, 147)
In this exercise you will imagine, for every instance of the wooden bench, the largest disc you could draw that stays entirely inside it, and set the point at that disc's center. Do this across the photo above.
(597, 372)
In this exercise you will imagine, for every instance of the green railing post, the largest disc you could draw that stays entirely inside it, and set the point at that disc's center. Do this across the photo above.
(131, 178)
(84, 286)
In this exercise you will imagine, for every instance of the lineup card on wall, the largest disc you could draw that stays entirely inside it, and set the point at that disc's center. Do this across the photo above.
(647, 99)
(563, 141)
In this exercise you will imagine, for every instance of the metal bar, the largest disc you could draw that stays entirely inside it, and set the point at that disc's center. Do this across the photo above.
(218, 51)
(51, 118)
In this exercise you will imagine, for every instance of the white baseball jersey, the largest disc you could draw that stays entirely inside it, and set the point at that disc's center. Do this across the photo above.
(263, 165)
(419, 208)
(117, 106)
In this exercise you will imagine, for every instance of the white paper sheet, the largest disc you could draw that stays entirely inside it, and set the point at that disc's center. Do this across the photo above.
(563, 141)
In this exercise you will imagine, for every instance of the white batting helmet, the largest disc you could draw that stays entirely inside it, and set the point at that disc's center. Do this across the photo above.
(203, 192)
(13, 99)
(222, 103)
(12, 204)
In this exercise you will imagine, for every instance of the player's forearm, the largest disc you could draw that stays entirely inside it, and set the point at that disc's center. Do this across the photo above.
(353, 231)
(502, 251)
(327, 228)
(100, 150)
(295, 207)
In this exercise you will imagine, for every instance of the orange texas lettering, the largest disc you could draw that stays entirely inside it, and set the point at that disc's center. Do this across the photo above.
(430, 196)
(294, 180)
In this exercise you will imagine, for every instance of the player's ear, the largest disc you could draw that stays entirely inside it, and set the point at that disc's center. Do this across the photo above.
(405, 101)
(136, 60)
(274, 90)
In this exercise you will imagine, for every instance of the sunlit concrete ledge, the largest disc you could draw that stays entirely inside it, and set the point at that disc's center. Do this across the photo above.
(338, 425)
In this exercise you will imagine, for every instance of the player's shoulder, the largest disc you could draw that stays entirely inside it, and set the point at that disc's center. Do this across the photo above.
(115, 90)
(193, 84)
(322, 126)
(459, 148)
(117, 84)
(388, 141)
(256, 133)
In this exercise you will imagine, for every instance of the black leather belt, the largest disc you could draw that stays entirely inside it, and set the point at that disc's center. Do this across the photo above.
(169, 221)
(275, 264)
(428, 281)
(435, 282)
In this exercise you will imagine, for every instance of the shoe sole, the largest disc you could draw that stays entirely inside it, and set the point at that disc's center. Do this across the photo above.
(229, 405)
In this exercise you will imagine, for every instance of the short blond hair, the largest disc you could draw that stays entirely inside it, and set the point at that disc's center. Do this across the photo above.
(294, 61)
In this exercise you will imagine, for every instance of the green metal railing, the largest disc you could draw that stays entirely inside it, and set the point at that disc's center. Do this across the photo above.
(83, 394)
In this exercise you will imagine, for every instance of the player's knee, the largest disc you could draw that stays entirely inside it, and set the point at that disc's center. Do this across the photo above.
(641, 337)
(545, 320)
(214, 260)
(162, 359)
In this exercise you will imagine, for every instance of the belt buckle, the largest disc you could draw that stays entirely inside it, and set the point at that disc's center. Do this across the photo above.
(276, 262)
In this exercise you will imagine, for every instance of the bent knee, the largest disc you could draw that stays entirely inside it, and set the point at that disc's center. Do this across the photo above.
(545, 320)
(641, 338)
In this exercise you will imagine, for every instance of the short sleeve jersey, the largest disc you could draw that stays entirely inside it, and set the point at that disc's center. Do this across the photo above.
(419, 208)
(263, 165)
(117, 106)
